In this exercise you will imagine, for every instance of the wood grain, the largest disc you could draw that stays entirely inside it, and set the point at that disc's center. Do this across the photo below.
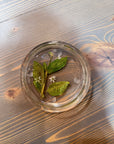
(88, 25)
(13, 8)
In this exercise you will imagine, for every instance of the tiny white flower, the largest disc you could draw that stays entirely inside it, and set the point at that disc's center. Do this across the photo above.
(38, 79)
(52, 79)
(35, 79)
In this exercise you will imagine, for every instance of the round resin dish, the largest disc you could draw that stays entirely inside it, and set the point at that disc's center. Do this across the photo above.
(76, 72)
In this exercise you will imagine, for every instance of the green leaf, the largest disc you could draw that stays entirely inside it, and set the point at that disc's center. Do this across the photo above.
(37, 85)
(57, 65)
(38, 75)
(58, 88)
(45, 66)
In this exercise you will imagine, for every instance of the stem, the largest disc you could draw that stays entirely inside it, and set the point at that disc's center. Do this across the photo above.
(45, 75)
(51, 57)
(42, 91)
(43, 87)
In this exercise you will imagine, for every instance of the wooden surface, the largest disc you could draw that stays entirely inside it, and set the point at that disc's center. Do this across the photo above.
(86, 24)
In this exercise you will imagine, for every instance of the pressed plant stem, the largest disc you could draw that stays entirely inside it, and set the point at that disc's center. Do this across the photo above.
(43, 87)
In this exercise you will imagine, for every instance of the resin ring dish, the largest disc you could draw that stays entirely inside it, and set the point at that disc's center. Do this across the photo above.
(76, 72)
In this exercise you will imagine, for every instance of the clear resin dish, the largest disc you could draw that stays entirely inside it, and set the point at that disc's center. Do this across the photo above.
(76, 72)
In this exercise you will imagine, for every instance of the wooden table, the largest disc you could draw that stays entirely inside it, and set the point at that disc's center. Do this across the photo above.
(88, 25)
